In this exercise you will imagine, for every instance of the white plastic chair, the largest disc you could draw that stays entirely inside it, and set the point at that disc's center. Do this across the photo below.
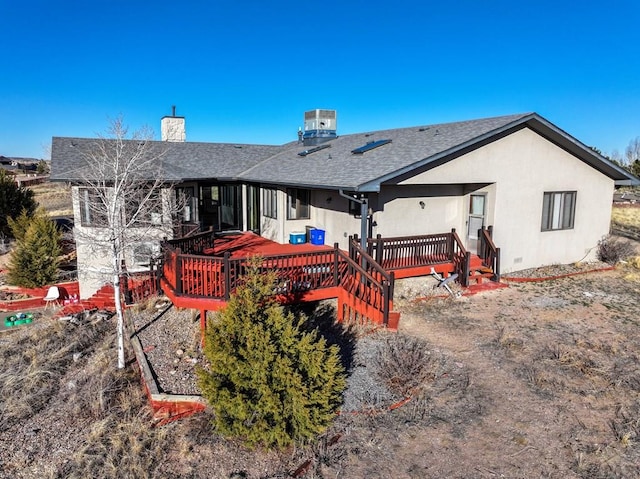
(52, 297)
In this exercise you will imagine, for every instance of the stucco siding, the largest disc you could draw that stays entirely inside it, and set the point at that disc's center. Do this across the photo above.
(402, 212)
(523, 166)
(330, 212)
(94, 257)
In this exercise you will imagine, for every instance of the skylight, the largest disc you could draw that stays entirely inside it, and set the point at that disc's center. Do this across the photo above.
(370, 146)
(313, 150)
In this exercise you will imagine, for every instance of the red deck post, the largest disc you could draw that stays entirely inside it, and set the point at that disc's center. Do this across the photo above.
(227, 276)
(379, 249)
(336, 264)
(451, 245)
(178, 269)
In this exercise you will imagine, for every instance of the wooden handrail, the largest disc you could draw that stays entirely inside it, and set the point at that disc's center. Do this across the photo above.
(489, 252)
(461, 258)
(368, 267)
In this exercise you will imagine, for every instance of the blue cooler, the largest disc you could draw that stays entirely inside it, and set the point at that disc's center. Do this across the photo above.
(317, 236)
(297, 237)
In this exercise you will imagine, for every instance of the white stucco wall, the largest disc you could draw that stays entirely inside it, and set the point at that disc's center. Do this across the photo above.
(333, 217)
(520, 168)
(328, 211)
(513, 173)
(94, 259)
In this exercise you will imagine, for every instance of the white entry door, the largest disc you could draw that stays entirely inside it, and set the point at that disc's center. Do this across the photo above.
(476, 215)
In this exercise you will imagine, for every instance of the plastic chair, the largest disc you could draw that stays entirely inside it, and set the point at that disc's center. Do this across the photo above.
(53, 296)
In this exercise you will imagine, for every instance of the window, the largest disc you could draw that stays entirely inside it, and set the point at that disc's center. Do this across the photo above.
(355, 209)
(144, 207)
(93, 211)
(186, 202)
(144, 252)
(558, 210)
(297, 204)
(270, 203)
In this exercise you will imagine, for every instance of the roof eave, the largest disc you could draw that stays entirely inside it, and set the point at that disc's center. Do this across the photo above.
(451, 152)
(536, 123)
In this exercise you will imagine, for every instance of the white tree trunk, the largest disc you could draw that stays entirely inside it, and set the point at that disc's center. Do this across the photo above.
(119, 312)
(120, 325)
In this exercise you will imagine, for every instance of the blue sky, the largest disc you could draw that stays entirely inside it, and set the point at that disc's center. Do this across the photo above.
(246, 71)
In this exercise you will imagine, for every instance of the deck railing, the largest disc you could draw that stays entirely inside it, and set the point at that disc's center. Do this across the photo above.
(216, 277)
(488, 252)
(195, 243)
(184, 230)
(140, 285)
(367, 278)
(198, 276)
(423, 250)
(461, 259)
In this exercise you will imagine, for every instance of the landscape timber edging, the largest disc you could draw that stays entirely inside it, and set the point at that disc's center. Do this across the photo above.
(166, 407)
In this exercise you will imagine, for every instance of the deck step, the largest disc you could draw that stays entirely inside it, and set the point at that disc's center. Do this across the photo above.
(478, 276)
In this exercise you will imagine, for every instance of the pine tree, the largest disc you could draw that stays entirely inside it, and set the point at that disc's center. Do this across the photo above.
(13, 200)
(20, 224)
(269, 381)
(34, 262)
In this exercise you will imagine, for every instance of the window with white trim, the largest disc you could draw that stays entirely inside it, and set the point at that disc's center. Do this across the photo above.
(558, 210)
(270, 203)
(297, 204)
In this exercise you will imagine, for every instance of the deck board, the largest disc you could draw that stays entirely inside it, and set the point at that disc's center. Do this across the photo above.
(250, 244)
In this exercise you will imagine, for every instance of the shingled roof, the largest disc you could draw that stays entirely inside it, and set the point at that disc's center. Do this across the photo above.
(335, 165)
(176, 161)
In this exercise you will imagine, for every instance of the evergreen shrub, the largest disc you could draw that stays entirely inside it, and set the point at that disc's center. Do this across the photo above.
(35, 259)
(269, 382)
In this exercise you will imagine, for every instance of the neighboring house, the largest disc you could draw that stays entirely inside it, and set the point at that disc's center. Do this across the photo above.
(547, 196)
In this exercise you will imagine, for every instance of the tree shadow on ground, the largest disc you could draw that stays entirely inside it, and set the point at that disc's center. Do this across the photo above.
(322, 316)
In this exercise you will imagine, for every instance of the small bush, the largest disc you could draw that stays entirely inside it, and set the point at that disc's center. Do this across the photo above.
(612, 250)
(404, 363)
(269, 382)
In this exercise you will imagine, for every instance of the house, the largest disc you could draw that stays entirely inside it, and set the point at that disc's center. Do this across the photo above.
(546, 195)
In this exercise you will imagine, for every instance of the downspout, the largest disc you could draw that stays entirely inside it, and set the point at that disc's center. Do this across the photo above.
(364, 215)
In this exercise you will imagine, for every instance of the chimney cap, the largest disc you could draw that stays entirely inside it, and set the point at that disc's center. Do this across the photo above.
(173, 113)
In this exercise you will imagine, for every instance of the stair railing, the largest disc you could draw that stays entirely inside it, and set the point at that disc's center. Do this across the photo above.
(460, 257)
(488, 251)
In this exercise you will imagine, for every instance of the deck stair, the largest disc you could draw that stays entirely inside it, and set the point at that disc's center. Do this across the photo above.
(478, 271)
(102, 299)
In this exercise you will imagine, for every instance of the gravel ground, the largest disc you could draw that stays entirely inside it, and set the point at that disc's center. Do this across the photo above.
(170, 338)
(557, 270)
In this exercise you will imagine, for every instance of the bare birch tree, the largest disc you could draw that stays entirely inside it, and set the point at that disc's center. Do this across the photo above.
(125, 201)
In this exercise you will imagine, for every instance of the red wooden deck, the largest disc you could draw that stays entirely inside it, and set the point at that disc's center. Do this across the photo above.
(250, 244)
(203, 270)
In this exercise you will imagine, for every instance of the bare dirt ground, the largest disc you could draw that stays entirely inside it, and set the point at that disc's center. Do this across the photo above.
(534, 380)
(539, 379)
(554, 367)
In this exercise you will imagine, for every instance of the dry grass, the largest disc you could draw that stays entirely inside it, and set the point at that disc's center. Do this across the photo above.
(626, 216)
(632, 269)
(55, 198)
(35, 362)
(404, 364)
(536, 380)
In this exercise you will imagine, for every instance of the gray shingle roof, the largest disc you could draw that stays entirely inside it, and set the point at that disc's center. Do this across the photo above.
(70, 159)
(338, 167)
(335, 166)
